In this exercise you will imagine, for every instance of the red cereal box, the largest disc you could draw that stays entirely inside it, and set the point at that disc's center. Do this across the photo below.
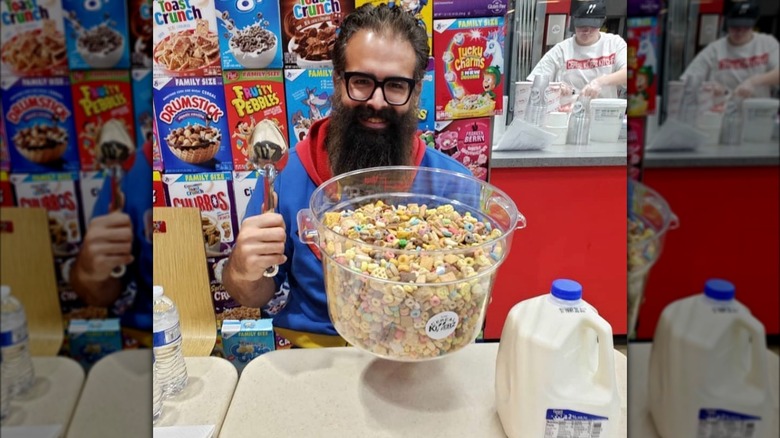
(6, 193)
(100, 96)
(469, 67)
(158, 190)
(468, 141)
(251, 96)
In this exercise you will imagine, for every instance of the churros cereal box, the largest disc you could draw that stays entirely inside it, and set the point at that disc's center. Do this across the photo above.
(97, 34)
(469, 67)
(421, 9)
(6, 192)
(192, 124)
(100, 96)
(249, 34)
(244, 340)
(251, 96)
(32, 38)
(469, 8)
(39, 124)
(468, 141)
(143, 109)
(309, 30)
(308, 95)
(209, 193)
(58, 195)
(185, 38)
(141, 30)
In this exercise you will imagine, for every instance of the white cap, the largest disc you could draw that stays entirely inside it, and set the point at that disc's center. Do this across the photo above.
(157, 292)
(5, 291)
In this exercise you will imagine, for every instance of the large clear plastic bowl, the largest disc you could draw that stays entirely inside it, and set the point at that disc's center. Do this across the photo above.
(649, 208)
(408, 321)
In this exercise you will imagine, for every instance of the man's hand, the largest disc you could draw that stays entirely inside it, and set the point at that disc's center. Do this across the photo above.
(745, 89)
(107, 244)
(259, 245)
(593, 89)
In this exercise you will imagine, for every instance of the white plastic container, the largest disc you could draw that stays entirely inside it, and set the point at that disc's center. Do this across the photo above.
(606, 119)
(758, 115)
(551, 374)
(710, 122)
(708, 372)
(557, 123)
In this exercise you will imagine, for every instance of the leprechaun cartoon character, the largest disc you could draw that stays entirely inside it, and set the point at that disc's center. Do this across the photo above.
(490, 80)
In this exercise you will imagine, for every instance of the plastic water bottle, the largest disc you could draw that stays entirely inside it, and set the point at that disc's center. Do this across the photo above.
(17, 364)
(579, 122)
(731, 131)
(157, 395)
(5, 393)
(555, 369)
(168, 357)
(536, 110)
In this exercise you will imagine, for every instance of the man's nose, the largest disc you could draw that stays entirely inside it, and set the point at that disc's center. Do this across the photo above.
(377, 100)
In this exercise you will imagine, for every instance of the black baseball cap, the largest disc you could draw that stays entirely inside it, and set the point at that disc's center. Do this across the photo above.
(589, 14)
(743, 14)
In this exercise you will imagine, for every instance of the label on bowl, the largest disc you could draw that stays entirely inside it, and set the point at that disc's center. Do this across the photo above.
(441, 325)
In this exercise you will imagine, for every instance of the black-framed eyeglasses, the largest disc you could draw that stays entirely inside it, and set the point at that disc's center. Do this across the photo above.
(362, 86)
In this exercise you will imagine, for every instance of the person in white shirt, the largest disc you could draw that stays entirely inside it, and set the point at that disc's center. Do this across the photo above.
(743, 61)
(591, 62)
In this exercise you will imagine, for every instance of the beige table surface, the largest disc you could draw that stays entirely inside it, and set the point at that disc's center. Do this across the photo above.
(639, 420)
(116, 400)
(53, 397)
(344, 392)
(205, 399)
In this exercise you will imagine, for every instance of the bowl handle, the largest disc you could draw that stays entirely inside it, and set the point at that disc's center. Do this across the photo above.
(307, 231)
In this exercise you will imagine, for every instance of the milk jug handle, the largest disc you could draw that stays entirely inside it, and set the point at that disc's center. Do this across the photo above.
(758, 370)
(606, 369)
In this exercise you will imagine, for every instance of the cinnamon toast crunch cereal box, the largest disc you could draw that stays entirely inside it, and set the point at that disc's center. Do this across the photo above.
(185, 39)
(468, 141)
(249, 34)
(32, 38)
(308, 93)
(97, 34)
(421, 9)
(469, 67)
(309, 30)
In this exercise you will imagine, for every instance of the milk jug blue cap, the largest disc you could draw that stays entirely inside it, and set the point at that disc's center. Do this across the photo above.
(565, 289)
(718, 289)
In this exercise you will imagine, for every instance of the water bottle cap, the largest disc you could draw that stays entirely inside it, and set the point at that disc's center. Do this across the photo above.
(157, 292)
(5, 291)
(719, 289)
(565, 289)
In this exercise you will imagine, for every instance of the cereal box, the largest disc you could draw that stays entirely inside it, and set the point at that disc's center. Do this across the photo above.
(421, 9)
(6, 192)
(251, 96)
(225, 307)
(5, 158)
(426, 107)
(191, 123)
(249, 34)
(308, 95)
(57, 193)
(157, 163)
(39, 124)
(245, 340)
(469, 67)
(141, 30)
(244, 183)
(469, 8)
(143, 108)
(469, 142)
(32, 38)
(210, 193)
(91, 340)
(90, 184)
(309, 30)
(96, 34)
(100, 96)
(158, 190)
(185, 38)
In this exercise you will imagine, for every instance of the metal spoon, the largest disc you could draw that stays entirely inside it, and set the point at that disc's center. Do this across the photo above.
(114, 148)
(268, 154)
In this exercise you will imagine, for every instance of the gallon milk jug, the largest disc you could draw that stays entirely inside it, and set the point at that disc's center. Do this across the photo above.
(555, 370)
(708, 374)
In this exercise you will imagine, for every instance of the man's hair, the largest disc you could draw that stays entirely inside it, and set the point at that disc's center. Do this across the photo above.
(385, 20)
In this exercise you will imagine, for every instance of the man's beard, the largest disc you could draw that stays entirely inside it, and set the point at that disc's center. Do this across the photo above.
(352, 146)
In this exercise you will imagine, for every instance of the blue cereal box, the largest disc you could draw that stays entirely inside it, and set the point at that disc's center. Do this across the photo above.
(245, 340)
(192, 125)
(33, 38)
(308, 95)
(185, 38)
(91, 340)
(249, 34)
(426, 107)
(39, 124)
(469, 8)
(143, 108)
(97, 34)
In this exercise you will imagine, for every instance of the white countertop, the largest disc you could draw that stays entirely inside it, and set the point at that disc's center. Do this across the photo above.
(116, 400)
(344, 392)
(592, 154)
(639, 421)
(743, 155)
(51, 400)
(205, 399)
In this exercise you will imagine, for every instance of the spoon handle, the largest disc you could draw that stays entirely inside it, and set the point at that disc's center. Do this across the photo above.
(270, 204)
